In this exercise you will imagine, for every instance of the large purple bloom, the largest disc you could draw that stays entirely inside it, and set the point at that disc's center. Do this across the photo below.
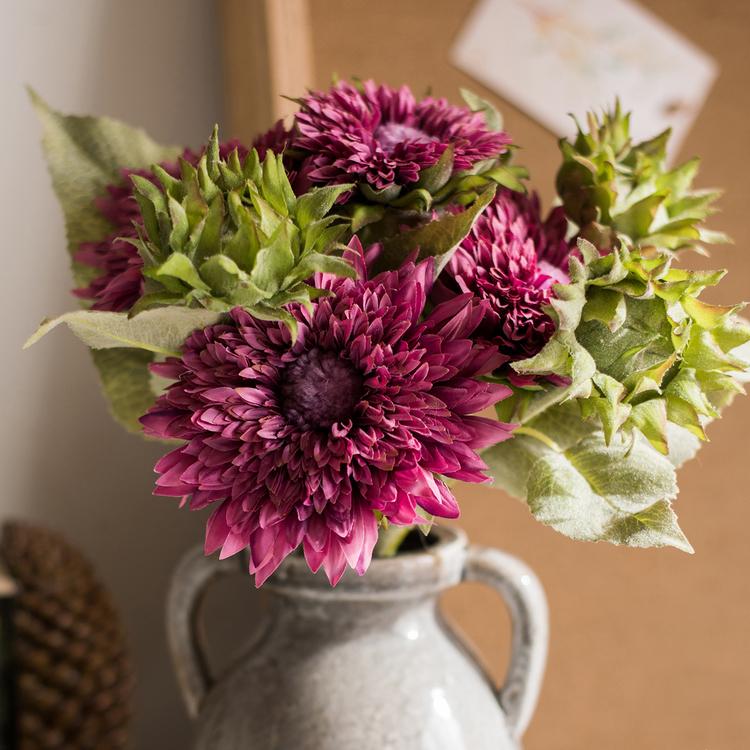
(511, 259)
(379, 136)
(118, 283)
(306, 443)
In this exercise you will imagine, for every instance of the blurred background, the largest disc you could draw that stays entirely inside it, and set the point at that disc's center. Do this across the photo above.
(649, 648)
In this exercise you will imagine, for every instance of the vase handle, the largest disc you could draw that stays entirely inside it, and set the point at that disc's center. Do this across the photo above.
(184, 631)
(524, 597)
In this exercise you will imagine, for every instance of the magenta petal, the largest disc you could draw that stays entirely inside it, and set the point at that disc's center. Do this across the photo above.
(234, 543)
(434, 497)
(217, 529)
(487, 432)
(361, 542)
(334, 562)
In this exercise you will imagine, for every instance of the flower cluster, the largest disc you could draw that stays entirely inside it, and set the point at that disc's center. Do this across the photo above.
(336, 305)
(305, 442)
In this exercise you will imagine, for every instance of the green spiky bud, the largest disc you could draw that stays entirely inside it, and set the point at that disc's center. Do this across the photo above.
(638, 345)
(615, 190)
(230, 231)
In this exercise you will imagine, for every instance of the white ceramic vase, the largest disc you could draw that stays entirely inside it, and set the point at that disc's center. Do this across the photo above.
(368, 665)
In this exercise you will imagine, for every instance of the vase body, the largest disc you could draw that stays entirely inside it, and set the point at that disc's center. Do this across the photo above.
(371, 664)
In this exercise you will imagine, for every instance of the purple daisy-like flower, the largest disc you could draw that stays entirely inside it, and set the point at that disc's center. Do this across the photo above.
(380, 137)
(306, 443)
(511, 259)
(119, 281)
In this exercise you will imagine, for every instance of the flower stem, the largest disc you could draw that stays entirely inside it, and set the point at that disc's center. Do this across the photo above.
(531, 432)
(390, 540)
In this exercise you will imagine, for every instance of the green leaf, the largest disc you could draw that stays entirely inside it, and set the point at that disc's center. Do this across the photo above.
(84, 155)
(636, 220)
(180, 228)
(656, 526)
(275, 187)
(705, 315)
(153, 208)
(126, 383)
(576, 483)
(274, 262)
(162, 330)
(555, 427)
(650, 417)
(597, 492)
(364, 213)
(210, 238)
(607, 306)
(642, 342)
(438, 238)
(492, 117)
(319, 263)
(509, 176)
(222, 274)
(179, 266)
(316, 204)
(435, 177)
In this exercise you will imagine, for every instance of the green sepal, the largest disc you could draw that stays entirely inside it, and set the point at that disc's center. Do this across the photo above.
(475, 103)
(435, 177)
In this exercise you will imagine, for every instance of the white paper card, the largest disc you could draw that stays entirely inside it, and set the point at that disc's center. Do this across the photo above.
(555, 57)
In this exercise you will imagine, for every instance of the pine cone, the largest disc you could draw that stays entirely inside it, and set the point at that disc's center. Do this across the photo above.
(74, 678)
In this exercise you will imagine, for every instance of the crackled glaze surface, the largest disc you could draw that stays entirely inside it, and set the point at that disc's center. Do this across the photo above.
(368, 665)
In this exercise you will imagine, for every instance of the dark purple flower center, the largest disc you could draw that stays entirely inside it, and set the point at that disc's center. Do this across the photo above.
(320, 388)
(391, 134)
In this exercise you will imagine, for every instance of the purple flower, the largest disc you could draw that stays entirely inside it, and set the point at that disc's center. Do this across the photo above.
(306, 443)
(119, 281)
(511, 259)
(379, 136)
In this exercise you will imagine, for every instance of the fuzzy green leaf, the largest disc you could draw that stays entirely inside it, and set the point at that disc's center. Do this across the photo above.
(84, 155)
(576, 483)
(162, 331)
(656, 526)
(126, 383)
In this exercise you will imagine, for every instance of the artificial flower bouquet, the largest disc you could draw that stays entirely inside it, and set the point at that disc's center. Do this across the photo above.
(318, 317)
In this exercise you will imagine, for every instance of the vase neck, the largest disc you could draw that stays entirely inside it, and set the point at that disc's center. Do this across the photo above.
(396, 582)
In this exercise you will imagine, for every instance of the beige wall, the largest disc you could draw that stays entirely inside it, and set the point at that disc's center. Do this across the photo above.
(63, 461)
(649, 648)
